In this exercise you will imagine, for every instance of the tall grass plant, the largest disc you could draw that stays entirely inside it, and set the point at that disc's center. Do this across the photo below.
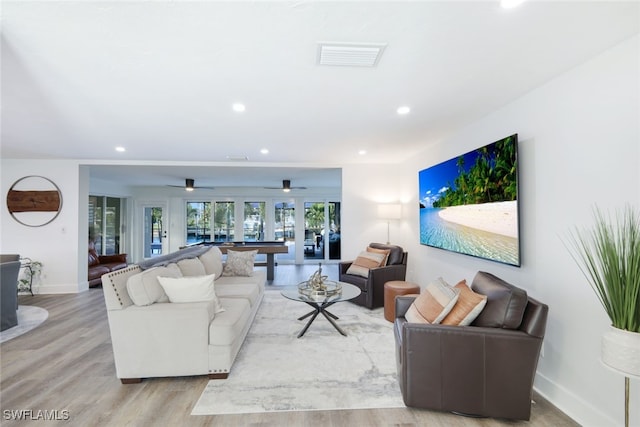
(608, 255)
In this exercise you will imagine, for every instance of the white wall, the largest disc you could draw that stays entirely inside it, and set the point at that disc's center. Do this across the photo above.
(364, 187)
(55, 244)
(579, 146)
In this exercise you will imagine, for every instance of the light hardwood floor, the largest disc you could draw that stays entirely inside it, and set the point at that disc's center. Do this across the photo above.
(66, 364)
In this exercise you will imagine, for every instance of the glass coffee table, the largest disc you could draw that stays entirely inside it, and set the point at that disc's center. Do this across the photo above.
(320, 305)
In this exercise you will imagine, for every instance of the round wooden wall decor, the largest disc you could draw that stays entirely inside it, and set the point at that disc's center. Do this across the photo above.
(34, 201)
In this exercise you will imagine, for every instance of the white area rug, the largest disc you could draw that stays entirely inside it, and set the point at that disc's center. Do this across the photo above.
(29, 317)
(323, 370)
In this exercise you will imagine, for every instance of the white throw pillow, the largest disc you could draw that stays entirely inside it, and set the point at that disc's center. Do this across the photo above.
(191, 289)
(239, 263)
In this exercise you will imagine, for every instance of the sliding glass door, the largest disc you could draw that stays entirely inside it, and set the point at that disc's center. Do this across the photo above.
(253, 227)
(322, 230)
(155, 240)
(314, 225)
(334, 245)
(105, 214)
(224, 222)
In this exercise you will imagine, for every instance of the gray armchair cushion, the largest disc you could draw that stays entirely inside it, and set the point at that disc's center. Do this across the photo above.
(505, 303)
(9, 272)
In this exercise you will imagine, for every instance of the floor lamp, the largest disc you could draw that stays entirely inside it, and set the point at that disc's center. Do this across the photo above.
(389, 211)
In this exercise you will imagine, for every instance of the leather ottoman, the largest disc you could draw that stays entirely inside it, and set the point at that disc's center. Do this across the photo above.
(393, 289)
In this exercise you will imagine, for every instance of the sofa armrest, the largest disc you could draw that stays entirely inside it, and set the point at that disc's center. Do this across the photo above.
(164, 339)
(163, 321)
(343, 267)
(403, 303)
(105, 259)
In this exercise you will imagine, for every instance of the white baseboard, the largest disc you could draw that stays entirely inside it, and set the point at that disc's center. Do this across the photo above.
(60, 288)
(577, 409)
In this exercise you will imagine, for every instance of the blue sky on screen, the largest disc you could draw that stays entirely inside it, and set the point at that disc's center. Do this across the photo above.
(437, 179)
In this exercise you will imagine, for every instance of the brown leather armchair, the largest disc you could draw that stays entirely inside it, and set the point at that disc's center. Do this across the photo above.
(103, 264)
(485, 369)
(372, 287)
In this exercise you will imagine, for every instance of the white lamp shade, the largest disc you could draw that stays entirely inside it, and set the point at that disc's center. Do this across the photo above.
(390, 211)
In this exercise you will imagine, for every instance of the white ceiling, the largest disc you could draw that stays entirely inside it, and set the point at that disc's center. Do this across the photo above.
(159, 77)
(220, 177)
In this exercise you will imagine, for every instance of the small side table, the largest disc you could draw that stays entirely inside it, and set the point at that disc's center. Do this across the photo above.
(393, 289)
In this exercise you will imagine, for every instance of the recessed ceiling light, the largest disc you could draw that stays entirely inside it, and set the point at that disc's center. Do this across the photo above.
(120, 149)
(264, 151)
(510, 4)
(238, 107)
(403, 110)
(362, 152)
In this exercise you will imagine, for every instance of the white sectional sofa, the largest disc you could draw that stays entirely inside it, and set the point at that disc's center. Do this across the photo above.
(154, 337)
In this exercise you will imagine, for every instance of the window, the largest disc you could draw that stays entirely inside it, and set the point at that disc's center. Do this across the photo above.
(254, 221)
(224, 222)
(198, 222)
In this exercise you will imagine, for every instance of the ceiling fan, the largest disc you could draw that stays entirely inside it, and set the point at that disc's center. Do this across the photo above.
(189, 185)
(286, 186)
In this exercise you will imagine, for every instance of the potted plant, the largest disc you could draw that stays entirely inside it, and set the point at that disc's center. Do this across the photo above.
(32, 269)
(608, 254)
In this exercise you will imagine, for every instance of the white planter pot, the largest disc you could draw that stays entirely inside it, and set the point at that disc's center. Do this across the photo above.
(621, 351)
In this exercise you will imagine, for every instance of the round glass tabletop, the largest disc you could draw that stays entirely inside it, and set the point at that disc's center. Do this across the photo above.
(348, 292)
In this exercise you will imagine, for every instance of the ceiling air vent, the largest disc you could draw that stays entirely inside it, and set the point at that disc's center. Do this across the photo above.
(350, 54)
(237, 158)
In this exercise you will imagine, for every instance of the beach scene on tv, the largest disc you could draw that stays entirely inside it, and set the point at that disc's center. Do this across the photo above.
(469, 204)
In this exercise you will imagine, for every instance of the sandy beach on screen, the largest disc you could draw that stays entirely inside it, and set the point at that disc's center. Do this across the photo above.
(499, 217)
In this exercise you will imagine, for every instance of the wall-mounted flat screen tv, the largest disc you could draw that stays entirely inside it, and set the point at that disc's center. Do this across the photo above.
(469, 204)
